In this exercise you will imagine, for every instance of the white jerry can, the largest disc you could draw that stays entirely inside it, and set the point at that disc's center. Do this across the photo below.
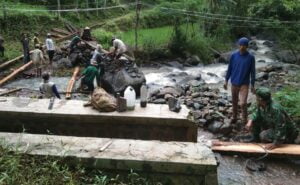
(130, 97)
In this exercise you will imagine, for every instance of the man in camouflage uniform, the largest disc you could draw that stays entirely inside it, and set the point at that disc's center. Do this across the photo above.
(269, 122)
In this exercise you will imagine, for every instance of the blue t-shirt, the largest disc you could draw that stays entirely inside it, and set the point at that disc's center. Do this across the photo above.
(241, 68)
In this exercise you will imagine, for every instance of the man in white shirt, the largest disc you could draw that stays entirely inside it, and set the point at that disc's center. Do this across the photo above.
(119, 47)
(38, 60)
(50, 47)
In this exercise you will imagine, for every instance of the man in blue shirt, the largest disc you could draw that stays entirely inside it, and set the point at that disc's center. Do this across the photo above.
(241, 68)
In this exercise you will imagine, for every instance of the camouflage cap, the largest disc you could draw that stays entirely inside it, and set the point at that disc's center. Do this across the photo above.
(263, 93)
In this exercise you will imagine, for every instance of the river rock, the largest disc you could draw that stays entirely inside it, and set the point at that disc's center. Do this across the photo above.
(262, 76)
(193, 60)
(225, 57)
(287, 56)
(174, 91)
(273, 67)
(253, 45)
(195, 85)
(268, 43)
(202, 122)
(211, 74)
(167, 96)
(215, 126)
(222, 102)
(64, 63)
(175, 64)
(261, 61)
(159, 101)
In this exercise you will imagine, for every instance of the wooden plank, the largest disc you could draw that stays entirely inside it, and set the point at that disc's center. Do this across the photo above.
(10, 91)
(55, 35)
(255, 148)
(13, 74)
(72, 82)
(61, 31)
(68, 28)
(6, 64)
(65, 38)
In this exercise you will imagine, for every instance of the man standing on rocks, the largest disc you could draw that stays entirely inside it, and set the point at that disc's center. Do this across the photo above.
(50, 48)
(38, 60)
(270, 123)
(241, 68)
(25, 44)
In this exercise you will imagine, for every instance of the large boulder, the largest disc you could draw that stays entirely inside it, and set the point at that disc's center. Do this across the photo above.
(288, 57)
(117, 75)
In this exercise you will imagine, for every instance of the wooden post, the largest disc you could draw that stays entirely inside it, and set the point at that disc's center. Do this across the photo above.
(77, 9)
(138, 8)
(4, 14)
(58, 8)
(104, 6)
(72, 82)
(87, 6)
(97, 6)
(13, 74)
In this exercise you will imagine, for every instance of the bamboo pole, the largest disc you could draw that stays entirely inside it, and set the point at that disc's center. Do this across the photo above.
(60, 31)
(72, 82)
(10, 91)
(13, 74)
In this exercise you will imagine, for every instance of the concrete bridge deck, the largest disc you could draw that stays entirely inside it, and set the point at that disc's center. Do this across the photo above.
(174, 163)
(69, 117)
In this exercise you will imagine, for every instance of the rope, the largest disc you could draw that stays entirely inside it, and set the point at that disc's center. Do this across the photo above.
(68, 10)
(258, 166)
(221, 16)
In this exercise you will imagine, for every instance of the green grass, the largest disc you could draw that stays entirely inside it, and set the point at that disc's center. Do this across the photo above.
(17, 168)
(17, 8)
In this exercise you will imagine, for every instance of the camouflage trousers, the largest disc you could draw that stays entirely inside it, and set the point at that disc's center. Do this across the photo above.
(268, 136)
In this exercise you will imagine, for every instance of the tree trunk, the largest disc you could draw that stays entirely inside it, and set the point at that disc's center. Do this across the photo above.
(58, 8)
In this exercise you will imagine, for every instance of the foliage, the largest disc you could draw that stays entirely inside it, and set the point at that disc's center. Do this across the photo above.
(16, 168)
(289, 98)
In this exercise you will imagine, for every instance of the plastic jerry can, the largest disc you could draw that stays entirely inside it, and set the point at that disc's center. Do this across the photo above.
(130, 97)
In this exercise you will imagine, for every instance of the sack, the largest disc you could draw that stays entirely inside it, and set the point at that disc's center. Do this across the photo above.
(102, 101)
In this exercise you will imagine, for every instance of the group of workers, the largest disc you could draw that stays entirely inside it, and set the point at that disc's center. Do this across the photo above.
(92, 70)
(269, 122)
(37, 55)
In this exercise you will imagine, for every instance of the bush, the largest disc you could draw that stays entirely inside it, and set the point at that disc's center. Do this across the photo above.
(289, 98)
(103, 37)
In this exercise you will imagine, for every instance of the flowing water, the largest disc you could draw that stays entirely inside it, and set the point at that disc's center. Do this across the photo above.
(231, 169)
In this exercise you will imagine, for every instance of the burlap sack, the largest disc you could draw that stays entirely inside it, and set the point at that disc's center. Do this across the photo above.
(102, 101)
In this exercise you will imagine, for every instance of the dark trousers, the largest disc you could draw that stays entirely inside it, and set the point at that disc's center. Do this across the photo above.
(26, 57)
(51, 55)
(2, 51)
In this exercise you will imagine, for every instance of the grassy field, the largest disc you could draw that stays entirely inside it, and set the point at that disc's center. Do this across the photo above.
(156, 36)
